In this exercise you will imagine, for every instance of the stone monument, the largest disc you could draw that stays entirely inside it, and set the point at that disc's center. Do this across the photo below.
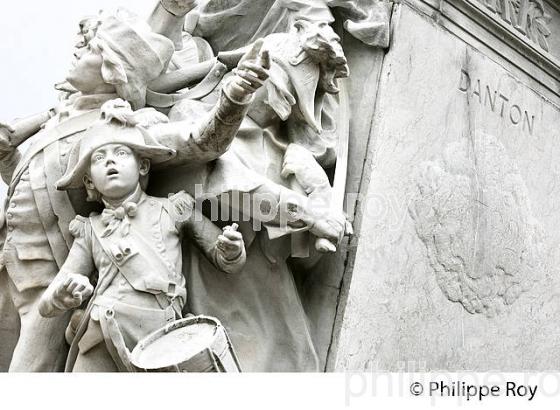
(389, 165)
(263, 136)
(456, 252)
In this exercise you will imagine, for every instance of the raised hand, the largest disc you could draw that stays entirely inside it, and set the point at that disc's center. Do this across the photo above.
(230, 244)
(251, 73)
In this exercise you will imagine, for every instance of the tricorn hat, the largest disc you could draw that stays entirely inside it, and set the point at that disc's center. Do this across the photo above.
(110, 130)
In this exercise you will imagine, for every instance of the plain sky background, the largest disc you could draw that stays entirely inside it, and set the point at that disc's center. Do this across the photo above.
(37, 40)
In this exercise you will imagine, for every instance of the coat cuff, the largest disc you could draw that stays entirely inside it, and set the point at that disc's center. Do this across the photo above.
(231, 265)
(230, 111)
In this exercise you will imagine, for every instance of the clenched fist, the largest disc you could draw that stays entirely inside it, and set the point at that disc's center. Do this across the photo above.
(72, 292)
(230, 243)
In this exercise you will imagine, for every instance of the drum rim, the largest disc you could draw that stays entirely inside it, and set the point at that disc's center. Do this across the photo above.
(177, 324)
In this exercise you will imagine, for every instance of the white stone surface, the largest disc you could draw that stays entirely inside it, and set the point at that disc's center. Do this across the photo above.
(456, 266)
(123, 61)
(38, 40)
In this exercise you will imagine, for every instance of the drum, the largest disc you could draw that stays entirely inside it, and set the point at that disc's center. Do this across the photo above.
(195, 344)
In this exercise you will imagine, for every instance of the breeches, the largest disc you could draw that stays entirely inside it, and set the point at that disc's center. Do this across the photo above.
(41, 345)
(97, 360)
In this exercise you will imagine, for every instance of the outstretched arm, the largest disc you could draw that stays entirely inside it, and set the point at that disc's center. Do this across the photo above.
(168, 19)
(13, 135)
(205, 140)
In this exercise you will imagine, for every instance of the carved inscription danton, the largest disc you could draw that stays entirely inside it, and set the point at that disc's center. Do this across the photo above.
(496, 101)
(528, 17)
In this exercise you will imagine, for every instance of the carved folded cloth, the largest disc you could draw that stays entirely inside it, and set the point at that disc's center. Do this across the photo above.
(118, 218)
(133, 54)
(369, 23)
(367, 20)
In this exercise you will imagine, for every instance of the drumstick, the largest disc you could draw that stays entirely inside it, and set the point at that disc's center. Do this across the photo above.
(232, 227)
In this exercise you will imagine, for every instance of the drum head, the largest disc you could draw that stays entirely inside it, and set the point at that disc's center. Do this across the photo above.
(176, 343)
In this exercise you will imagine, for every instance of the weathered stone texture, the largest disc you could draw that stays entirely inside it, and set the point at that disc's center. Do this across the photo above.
(456, 266)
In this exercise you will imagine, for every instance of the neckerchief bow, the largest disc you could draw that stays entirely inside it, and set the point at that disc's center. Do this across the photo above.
(118, 218)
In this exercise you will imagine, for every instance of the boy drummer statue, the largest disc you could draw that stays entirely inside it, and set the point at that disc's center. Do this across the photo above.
(122, 56)
(134, 245)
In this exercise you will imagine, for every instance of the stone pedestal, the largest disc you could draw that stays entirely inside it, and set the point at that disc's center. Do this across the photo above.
(455, 265)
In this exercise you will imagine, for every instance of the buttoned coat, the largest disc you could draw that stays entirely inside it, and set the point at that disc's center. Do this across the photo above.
(140, 275)
(196, 140)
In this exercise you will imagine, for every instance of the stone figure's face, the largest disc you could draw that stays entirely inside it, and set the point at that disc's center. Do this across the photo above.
(115, 171)
(86, 76)
(322, 44)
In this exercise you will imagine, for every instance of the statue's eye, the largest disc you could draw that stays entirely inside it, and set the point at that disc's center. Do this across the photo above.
(98, 157)
(122, 153)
